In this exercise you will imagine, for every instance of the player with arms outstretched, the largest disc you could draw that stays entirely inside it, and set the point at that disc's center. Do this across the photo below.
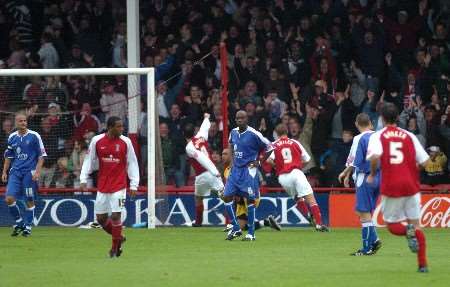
(366, 194)
(246, 143)
(289, 156)
(116, 162)
(398, 152)
(207, 176)
(24, 158)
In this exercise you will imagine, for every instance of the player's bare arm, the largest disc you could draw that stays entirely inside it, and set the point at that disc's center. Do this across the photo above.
(37, 172)
(256, 163)
(373, 169)
(6, 165)
(344, 176)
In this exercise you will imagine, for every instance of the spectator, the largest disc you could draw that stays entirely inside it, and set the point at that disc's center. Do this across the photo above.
(50, 140)
(435, 170)
(17, 59)
(332, 162)
(76, 161)
(63, 177)
(169, 156)
(113, 103)
(85, 122)
(48, 54)
(165, 97)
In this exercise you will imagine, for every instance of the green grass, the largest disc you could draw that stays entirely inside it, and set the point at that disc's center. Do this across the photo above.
(201, 257)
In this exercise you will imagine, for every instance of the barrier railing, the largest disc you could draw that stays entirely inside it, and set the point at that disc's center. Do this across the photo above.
(443, 188)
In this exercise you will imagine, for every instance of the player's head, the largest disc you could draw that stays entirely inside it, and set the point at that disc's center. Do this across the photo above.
(241, 119)
(226, 156)
(389, 113)
(21, 121)
(363, 122)
(114, 125)
(189, 130)
(281, 130)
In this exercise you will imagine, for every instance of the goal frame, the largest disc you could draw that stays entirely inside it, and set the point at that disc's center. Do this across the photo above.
(151, 113)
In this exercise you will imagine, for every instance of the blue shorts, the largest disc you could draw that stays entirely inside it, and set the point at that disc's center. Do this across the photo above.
(243, 181)
(367, 194)
(21, 185)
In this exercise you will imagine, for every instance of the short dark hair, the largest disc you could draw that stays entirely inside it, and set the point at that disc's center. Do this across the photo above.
(389, 112)
(281, 130)
(189, 130)
(363, 120)
(112, 122)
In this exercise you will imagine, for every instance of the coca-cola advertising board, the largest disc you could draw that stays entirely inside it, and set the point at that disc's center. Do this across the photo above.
(435, 211)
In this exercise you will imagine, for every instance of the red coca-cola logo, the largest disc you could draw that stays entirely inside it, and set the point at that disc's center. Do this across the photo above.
(435, 212)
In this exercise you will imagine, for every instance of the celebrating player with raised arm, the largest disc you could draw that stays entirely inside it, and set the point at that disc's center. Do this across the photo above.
(117, 161)
(289, 156)
(207, 175)
(246, 143)
(26, 152)
(399, 151)
(366, 194)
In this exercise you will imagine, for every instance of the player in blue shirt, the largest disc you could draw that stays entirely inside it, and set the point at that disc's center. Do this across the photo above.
(366, 193)
(246, 144)
(24, 157)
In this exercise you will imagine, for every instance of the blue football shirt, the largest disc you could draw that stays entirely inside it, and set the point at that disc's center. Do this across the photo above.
(247, 145)
(25, 150)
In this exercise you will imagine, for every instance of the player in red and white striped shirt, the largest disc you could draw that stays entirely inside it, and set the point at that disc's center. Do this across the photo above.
(399, 152)
(207, 176)
(117, 162)
(289, 156)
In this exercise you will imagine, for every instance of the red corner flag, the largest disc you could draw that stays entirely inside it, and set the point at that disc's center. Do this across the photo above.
(224, 91)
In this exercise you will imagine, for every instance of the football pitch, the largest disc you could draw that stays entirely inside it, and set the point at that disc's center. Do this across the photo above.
(201, 257)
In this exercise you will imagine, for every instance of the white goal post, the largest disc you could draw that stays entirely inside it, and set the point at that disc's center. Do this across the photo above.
(133, 107)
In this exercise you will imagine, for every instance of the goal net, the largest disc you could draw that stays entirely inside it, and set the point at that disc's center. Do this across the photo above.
(67, 107)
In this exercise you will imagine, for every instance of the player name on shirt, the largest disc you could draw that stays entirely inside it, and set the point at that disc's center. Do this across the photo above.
(394, 134)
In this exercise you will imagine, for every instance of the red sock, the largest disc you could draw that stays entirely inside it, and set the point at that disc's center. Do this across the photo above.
(108, 226)
(315, 210)
(199, 213)
(116, 234)
(227, 219)
(421, 254)
(397, 228)
(303, 208)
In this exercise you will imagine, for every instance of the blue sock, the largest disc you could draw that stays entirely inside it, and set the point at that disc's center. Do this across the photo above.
(15, 212)
(373, 234)
(29, 216)
(230, 211)
(365, 232)
(251, 219)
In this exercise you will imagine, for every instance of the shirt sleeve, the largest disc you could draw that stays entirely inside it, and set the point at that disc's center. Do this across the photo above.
(263, 142)
(359, 154)
(9, 152)
(41, 147)
(89, 162)
(132, 166)
(204, 128)
(305, 156)
(202, 158)
(230, 138)
(421, 154)
(374, 148)
(352, 153)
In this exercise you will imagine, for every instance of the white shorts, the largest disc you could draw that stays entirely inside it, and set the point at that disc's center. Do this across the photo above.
(110, 202)
(295, 183)
(206, 182)
(397, 209)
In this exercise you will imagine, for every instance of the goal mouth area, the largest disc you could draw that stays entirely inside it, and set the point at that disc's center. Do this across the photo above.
(133, 93)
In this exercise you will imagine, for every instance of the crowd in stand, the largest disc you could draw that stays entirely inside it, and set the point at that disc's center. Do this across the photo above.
(312, 65)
